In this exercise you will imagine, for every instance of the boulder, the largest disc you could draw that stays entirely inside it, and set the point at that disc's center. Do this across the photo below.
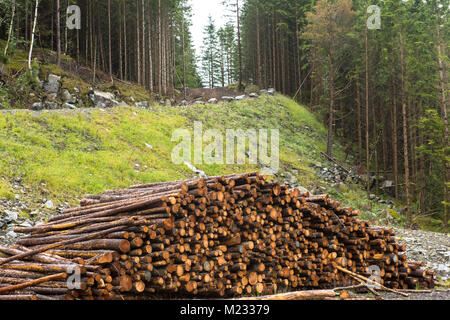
(197, 103)
(239, 98)
(213, 101)
(68, 106)
(53, 84)
(51, 105)
(227, 98)
(253, 95)
(103, 99)
(37, 106)
(271, 91)
(67, 97)
(263, 91)
(142, 105)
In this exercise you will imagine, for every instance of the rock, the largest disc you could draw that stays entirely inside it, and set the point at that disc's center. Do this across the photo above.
(68, 106)
(49, 204)
(253, 95)
(11, 234)
(148, 145)
(67, 97)
(142, 105)
(213, 101)
(302, 189)
(183, 103)
(263, 91)
(227, 98)
(197, 103)
(53, 84)
(103, 99)
(239, 98)
(372, 196)
(37, 106)
(11, 216)
(271, 91)
(51, 105)
(194, 169)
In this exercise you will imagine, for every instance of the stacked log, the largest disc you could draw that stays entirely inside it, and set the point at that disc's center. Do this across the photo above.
(217, 237)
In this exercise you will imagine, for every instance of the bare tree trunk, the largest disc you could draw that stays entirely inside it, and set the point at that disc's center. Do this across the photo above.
(150, 59)
(125, 39)
(30, 54)
(58, 33)
(394, 137)
(143, 45)
(358, 104)
(138, 45)
(258, 47)
(405, 133)
(444, 116)
(239, 44)
(184, 56)
(367, 111)
(109, 42)
(9, 35)
(331, 116)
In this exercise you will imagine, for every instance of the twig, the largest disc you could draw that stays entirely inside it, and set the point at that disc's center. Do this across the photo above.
(374, 282)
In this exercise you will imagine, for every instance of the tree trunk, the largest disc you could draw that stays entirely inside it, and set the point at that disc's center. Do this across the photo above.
(109, 42)
(30, 53)
(58, 33)
(9, 35)
(405, 132)
(367, 110)
(331, 116)
(444, 117)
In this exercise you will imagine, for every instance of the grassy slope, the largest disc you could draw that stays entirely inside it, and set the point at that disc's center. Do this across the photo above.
(77, 152)
(68, 154)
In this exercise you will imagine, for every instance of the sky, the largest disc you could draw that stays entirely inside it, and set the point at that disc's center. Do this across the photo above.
(201, 9)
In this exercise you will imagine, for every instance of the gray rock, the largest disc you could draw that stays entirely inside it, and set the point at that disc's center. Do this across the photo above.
(197, 103)
(67, 97)
(194, 169)
(212, 101)
(103, 99)
(68, 106)
(11, 216)
(227, 98)
(11, 234)
(37, 106)
(51, 105)
(53, 84)
(142, 105)
(302, 189)
(239, 98)
(49, 204)
(263, 91)
(372, 196)
(183, 103)
(271, 91)
(253, 95)
(148, 145)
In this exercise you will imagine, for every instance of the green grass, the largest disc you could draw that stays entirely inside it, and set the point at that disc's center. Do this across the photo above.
(74, 153)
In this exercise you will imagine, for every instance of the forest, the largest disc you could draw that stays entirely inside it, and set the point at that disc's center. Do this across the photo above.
(375, 71)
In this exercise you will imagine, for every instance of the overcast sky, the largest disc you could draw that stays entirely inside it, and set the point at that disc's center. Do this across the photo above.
(201, 9)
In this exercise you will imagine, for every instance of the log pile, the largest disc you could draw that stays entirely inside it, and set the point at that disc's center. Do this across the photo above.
(217, 237)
